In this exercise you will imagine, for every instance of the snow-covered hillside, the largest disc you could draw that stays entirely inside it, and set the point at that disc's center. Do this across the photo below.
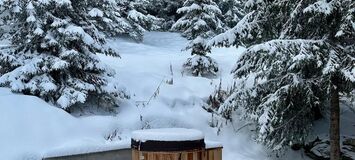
(80, 76)
(31, 128)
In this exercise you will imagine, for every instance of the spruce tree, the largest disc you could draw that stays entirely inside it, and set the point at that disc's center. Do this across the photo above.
(166, 10)
(54, 55)
(107, 16)
(122, 17)
(232, 11)
(8, 10)
(199, 22)
(137, 18)
(299, 61)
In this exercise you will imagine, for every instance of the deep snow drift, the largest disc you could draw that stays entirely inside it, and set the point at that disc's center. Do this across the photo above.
(160, 98)
(30, 127)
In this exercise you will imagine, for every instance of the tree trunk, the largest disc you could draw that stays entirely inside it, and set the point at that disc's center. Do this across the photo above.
(334, 123)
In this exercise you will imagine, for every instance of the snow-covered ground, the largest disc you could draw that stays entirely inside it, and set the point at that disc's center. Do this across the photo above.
(31, 128)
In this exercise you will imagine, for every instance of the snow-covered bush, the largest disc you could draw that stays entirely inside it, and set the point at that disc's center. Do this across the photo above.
(199, 23)
(54, 55)
(201, 66)
(218, 97)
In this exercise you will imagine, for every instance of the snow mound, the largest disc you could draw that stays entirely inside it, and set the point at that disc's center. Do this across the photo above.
(30, 127)
(167, 134)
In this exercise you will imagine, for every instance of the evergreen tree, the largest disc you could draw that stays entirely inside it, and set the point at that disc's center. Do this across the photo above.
(166, 10)
(106, 15)
(199, 22)
(300, 59)
(122, 17)
(8, 10)
(232, 11)
(136, 16)
(54, 54)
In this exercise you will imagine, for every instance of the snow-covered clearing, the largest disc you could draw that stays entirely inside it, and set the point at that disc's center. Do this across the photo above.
(31, 128)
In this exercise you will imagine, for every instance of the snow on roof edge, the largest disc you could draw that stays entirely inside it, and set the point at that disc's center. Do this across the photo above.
(167, 134)
(213, 144)
(77, 150)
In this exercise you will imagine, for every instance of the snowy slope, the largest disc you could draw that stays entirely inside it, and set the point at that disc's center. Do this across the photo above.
(144, 66)
(32, 128)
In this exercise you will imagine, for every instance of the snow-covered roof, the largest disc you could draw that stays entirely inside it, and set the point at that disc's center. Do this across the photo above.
(213, 144)
(86, 149)
(167, 134)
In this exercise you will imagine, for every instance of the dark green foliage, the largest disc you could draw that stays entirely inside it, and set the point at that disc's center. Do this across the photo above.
(54, 54)
(232, 11)
(165, 9)
(297, 51)
(200, 22)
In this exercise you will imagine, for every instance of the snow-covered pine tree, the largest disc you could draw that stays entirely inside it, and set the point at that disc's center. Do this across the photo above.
(8, 9)
(138, 19)
(122, 17)
(54, 55)
(300, 59)
(107, 16)
(232, 11)
(199, 22)
(260, 23)
(165, 9)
